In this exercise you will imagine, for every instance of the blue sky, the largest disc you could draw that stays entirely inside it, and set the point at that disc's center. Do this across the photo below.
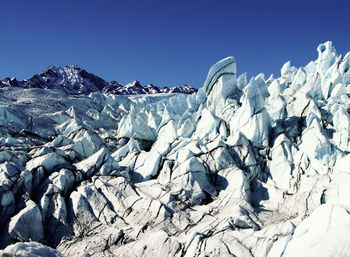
(166, 42)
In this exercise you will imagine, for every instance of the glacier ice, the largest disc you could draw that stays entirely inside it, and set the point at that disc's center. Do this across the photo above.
(242, 167)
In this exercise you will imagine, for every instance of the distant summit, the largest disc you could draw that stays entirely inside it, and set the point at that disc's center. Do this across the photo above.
(74, 80)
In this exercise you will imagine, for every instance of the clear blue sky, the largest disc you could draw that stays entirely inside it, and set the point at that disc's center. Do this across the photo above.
(166, 42)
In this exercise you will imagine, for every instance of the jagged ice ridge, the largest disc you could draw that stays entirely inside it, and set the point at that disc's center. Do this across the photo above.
(258, 168)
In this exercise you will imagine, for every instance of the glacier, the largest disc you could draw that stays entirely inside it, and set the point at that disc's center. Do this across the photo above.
(256, 168)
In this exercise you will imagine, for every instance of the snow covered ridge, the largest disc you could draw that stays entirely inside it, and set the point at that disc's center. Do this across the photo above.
(74, 80)
(258, 168)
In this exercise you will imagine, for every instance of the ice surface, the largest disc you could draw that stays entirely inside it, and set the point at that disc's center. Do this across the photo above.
(256, 167)
(30, 249)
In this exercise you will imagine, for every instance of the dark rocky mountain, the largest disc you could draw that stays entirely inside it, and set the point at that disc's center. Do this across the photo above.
(74, 80)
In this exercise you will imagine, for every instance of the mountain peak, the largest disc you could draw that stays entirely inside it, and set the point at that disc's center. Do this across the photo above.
(134, 83)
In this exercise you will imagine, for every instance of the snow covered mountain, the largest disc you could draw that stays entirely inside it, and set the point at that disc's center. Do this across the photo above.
(240, 168)
(74, 80)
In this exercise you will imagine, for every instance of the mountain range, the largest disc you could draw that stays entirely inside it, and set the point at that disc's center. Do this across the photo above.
(74, 80)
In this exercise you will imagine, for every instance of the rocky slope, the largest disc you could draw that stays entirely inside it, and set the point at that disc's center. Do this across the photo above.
(74, 80)
(258, 168)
